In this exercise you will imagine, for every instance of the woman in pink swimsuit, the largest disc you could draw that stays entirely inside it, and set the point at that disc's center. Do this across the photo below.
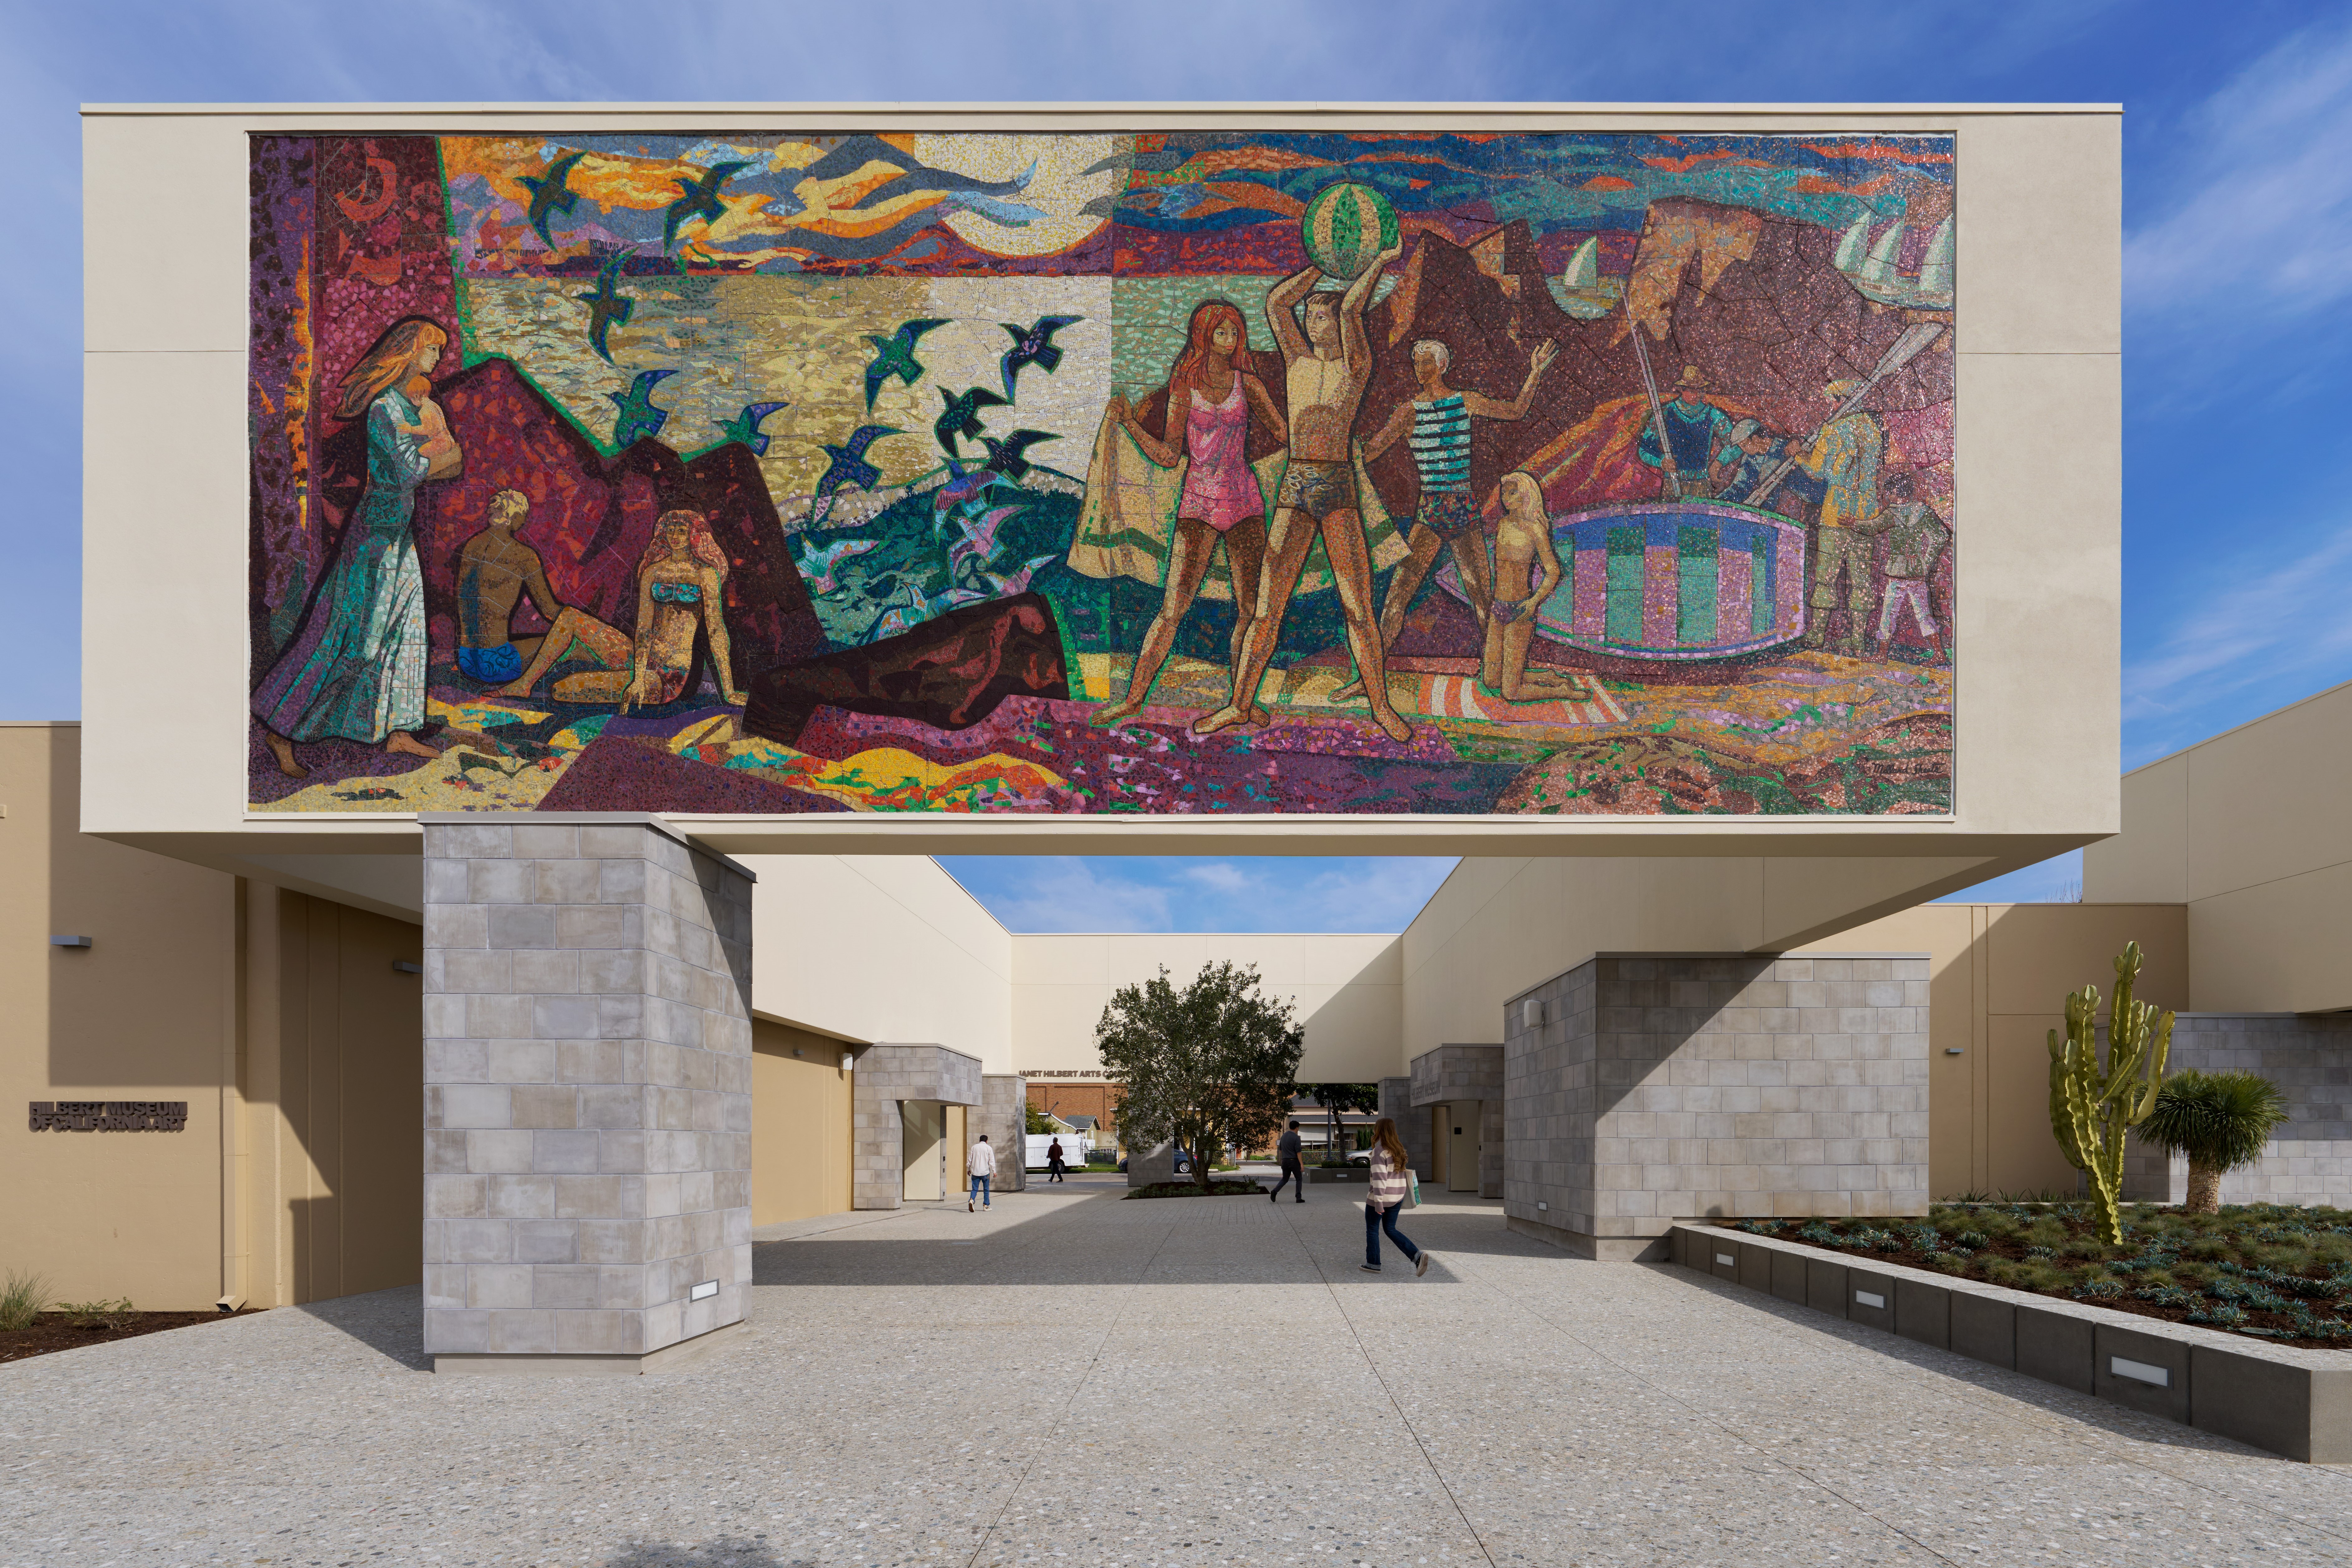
(1212, 395)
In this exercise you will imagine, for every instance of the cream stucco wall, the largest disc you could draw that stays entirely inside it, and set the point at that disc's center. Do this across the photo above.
(1348, 990)
(1498, 926)
(1998, 983)
(879, 947)
(2250, 830)
(2037, 229)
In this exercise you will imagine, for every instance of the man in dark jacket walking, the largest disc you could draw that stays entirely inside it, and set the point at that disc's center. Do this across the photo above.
(1053, 1162)
(1287, 1151)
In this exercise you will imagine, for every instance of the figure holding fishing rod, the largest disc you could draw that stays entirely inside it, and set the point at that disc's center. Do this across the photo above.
(1843, 453)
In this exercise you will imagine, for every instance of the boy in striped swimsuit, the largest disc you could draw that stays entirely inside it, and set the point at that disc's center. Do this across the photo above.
(1439, 421)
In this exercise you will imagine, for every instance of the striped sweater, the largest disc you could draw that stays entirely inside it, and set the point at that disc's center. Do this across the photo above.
(1388, 1179)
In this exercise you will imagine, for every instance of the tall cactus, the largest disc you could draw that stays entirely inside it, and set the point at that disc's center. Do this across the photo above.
(2093, 1108)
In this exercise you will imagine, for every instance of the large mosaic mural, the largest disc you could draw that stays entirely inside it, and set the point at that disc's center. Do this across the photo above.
(1195, 471)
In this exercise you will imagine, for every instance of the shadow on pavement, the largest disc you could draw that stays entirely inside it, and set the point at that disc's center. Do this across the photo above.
(736, 1553)
(1161, 1241)
(390, 1322)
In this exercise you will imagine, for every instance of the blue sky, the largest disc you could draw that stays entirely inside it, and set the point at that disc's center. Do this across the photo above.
(2238, 218)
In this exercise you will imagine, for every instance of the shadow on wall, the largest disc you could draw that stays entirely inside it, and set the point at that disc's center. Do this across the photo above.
(1356, 1034)
(1644, 1046)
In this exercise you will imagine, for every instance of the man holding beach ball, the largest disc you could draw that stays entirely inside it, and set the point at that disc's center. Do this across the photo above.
(1352, 233)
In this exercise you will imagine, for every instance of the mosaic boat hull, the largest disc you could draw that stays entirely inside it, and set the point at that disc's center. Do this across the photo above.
(1673, 582)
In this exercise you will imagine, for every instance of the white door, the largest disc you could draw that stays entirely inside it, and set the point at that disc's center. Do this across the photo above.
(1462, 1117)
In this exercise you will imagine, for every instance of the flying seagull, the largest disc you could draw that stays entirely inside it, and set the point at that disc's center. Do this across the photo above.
(849, 466)
(639, 418)
(1005, 456)
(551, 194)
(1031, 345)
(700, 200)
(745, 427)
(894, 355)
(960, 416)
(607, 306)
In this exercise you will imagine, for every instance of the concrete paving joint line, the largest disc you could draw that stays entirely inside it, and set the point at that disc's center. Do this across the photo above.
(2292, 1402)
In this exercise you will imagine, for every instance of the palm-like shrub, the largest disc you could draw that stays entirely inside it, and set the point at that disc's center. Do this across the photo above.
(2220, 1119)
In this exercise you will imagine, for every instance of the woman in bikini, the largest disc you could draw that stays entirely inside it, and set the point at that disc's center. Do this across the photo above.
(681, 582)
(1211, 397)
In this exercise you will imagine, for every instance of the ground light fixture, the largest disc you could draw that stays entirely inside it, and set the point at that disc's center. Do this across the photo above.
(704, 1291)
(1870, 1299)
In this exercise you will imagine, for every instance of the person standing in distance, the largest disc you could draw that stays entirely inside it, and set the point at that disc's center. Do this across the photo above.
(1386, 1198)
(1286, 1151)
(982, 1166)
(1053, 1161)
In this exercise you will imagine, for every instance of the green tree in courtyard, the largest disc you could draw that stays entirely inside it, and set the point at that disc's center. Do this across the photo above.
(1038, 1121)
(2095, 1106)
(1208, 1066)
(1339, 1100)
(2220, 1120)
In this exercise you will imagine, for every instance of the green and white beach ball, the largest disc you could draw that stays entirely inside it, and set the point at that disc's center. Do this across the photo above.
(1347, 226)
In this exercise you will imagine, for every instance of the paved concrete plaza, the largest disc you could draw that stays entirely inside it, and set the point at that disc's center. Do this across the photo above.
(1078, 1380)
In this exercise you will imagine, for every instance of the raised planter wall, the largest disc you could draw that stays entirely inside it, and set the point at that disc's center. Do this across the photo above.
(2292, 1402)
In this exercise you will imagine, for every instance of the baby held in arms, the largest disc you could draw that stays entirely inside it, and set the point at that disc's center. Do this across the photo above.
(432, 425)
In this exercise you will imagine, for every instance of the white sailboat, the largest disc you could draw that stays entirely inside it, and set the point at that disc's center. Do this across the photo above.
(1581, 291)
(1874, 270)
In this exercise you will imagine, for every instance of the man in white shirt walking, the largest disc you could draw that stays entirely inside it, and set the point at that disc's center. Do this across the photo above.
(982, 1166)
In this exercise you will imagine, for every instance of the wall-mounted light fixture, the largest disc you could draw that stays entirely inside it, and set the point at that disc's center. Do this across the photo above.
(704, 1291)
(1870, 1299)
(1531, 1014)
(847, 1061)
(68, 941)
(404, 967)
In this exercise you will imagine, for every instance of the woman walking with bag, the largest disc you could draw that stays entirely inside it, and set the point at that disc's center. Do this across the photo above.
(1391, 1181)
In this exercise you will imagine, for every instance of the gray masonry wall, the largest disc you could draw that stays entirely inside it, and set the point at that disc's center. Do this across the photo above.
(2310, 1058)
(886, 1075)
(1003, 1101)
(1660, 1087)
(588, 1087)
(1447, 1074)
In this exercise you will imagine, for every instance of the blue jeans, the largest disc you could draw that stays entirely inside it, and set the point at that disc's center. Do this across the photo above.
(980, 1191)
(1377, 1219)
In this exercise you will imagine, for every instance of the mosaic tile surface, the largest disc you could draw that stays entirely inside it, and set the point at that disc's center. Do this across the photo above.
(770, 474)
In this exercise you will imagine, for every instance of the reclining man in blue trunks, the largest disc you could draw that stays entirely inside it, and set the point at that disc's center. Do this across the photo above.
(1327, 363)
(495, 569)
(1439, 418)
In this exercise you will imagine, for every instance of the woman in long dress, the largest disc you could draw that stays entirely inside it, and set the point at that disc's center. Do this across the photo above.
(356, 670)
(1212, 398)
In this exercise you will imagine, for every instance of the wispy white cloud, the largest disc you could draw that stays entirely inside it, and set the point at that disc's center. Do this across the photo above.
(2262, 628)
(2262, 222)
(1220, 876)
(1064, 893)
(1258, 893)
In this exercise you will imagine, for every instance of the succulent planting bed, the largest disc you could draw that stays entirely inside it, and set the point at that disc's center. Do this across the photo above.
(2275, 1271)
